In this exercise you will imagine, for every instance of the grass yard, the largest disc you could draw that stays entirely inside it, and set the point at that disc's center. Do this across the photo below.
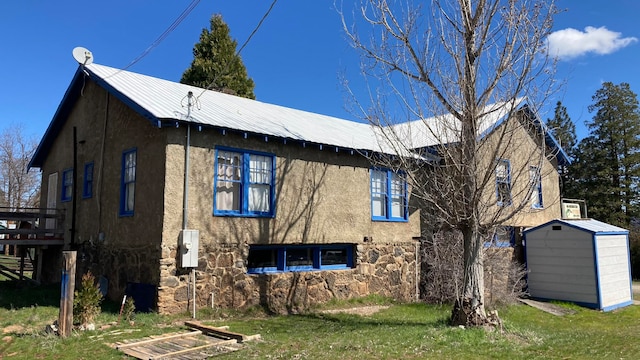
(402, 331)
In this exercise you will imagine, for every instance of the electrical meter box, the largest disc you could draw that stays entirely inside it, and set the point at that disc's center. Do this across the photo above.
(188, 246)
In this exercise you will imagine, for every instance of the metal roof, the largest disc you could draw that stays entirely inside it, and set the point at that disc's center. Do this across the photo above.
(165, 99)
(161, 100)
(590, 225)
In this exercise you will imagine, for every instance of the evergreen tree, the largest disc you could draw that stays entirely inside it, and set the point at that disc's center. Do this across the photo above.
(564, 130)
(606, 169)
(216, 65)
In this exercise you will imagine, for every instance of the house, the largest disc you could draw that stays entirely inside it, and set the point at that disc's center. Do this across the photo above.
(272, 205)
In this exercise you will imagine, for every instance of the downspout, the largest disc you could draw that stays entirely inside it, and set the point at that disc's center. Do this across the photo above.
(74, 187)
(185, 197)
(101, 235)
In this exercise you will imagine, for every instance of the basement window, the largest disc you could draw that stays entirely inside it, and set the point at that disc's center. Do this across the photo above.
(295, 258)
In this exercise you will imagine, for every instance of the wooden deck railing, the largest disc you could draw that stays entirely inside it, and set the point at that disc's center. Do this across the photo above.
(32, 226)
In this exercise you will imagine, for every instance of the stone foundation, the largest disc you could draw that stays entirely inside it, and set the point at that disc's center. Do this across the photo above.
(384, 269)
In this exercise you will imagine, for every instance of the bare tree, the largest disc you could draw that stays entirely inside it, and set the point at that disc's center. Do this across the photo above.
(18, 187)
(441, 74)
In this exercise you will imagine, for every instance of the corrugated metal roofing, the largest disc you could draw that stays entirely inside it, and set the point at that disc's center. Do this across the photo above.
(162, 100)
(446, 128)
(165, 99)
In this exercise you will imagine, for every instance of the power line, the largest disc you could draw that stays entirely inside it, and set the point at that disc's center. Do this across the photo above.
(264, 17)
(162, 36)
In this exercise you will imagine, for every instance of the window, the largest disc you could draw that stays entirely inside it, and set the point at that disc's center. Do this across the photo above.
(388, 195)
(87, 186)
(278, 258)
(244, 183)
(503, 236)
(128, 182)
(67, 185)
(503, 182)
(536, 187)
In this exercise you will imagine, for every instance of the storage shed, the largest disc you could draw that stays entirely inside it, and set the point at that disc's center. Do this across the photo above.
(583, 261)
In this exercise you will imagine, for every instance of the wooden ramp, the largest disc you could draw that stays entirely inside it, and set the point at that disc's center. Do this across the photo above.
(203, 343)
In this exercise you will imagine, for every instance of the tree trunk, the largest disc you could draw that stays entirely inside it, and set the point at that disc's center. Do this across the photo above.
(468, 309)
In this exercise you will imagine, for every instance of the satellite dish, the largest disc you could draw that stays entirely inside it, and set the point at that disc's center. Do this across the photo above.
(82, 56)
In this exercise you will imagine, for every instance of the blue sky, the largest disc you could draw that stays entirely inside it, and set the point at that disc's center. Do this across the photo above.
(297, 58)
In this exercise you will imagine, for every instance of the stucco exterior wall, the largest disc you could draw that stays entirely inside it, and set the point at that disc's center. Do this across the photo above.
(322, 197)
(122, 249)
(522, 146)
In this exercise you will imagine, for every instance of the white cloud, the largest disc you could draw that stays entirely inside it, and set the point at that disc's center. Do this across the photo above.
(570, 43)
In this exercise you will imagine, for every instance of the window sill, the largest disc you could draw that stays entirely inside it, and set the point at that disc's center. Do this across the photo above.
(241, 215)
(390, 220)
(276, 272)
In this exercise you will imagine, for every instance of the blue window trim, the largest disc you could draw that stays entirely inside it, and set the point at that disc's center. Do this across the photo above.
(316, 250)
(496, 242)
(87, 181)
(123, 192)
(67, 188)
(389, 195)
(507, 181)
(537, 182)
(245, 183)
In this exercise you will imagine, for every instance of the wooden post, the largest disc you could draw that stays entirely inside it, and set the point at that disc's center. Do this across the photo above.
(38, 269)
(22, 250)
(65, 320)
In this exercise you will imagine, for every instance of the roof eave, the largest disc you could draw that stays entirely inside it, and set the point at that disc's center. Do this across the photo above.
(59, 117)
(66, 105)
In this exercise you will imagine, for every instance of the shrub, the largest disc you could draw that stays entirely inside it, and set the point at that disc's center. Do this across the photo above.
(442, 271)
(129, 309)
(86, 301)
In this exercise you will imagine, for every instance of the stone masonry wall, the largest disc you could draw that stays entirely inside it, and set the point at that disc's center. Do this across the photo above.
(385, 269)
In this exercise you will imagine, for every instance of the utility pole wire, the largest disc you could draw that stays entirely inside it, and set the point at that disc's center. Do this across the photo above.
(162, 36)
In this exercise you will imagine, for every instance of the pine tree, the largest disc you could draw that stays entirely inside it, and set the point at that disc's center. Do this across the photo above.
(215, 63)
(564, 130)
(606, 167)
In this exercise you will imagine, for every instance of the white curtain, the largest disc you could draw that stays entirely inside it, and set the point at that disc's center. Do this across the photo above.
(260, 176)
(228, 185)
(130, 180)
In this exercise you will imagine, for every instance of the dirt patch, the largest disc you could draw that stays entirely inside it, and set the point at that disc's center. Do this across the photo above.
(13, 329)
(361, 310)
(548, 307)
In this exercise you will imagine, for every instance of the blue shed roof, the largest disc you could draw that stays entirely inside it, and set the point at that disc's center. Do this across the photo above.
(589, 225)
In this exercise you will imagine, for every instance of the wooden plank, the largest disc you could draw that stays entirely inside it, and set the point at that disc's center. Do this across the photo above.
(156, 339)
(30, 231)
(6, 272)
(197, 348)
(138, 353)
(214, 331)
(42, 241)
